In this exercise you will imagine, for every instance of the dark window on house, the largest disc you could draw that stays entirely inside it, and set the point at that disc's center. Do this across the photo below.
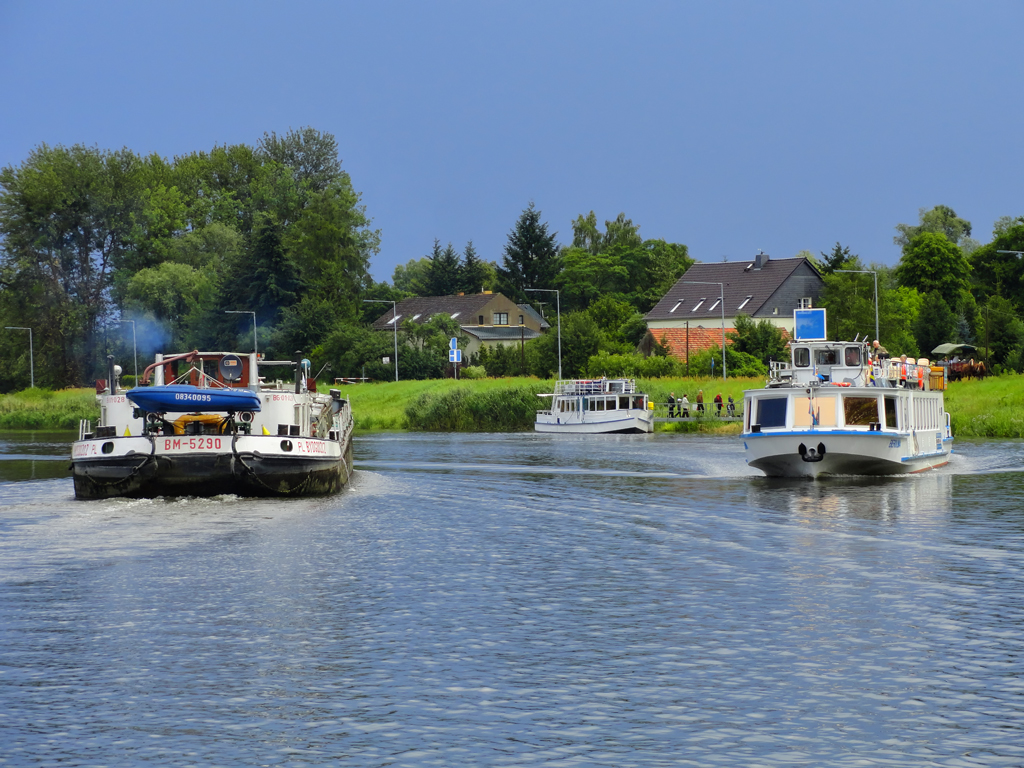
(501, 318)
(520, 319)
(481, 320)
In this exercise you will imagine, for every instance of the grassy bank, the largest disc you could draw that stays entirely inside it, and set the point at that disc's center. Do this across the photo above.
(507, 405)
(992, 407)
(43, 409)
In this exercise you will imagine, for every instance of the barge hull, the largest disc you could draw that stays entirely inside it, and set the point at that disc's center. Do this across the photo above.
(240, 474)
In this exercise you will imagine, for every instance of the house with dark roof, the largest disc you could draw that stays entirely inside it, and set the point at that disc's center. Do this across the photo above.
(489, 319)
(690, 316)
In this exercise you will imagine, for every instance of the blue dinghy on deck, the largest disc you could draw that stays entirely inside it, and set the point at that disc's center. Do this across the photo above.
(184, 398)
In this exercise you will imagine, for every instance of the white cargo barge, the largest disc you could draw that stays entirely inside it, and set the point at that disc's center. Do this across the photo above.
(217, 428)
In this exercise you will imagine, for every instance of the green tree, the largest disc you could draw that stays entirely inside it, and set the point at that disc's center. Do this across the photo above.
(173, 296)
(66, 223)
(940, 220)
(531, 258)
(311, 155)
(931, 262)
(1003, 329)
(443, 278)
(475, 274)
(839, 258)
(620, 263)
(413, 277)
(997, 272)
(759, 338)
(936, 323)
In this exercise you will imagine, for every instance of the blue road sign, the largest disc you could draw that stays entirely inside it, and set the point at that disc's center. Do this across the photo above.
(453, 344)
(454, 355)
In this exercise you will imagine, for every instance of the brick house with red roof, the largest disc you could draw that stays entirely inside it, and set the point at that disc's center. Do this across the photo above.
(690, 316)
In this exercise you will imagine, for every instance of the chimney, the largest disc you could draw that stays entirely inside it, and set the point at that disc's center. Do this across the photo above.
(760, 260)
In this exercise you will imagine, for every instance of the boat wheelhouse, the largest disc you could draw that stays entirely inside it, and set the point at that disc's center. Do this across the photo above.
(596, 406)
(835, 409)
(211, 425)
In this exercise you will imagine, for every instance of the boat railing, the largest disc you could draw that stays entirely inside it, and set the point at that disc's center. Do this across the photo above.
(595, 387)
(780, 371)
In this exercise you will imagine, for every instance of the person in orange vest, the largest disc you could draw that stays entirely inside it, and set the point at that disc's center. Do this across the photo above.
(903, 370)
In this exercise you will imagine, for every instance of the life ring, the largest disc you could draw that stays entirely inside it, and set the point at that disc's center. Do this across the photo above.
(840, 383)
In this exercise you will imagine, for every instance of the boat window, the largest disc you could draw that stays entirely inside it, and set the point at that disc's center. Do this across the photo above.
(600, 403)
(891, 422)
(825, 357)
(852, 358)
(771, 412)
(801, 357)
(816, 410)
(860, 411)
(624, 403)
(638, 401)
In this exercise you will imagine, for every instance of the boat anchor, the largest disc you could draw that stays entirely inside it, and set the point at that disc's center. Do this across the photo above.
(811, 454)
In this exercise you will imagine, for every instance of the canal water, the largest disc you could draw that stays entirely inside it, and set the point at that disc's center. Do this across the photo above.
(519, 600)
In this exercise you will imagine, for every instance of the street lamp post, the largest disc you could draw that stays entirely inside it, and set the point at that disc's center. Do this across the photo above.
(255, 350)
(135, 350)
(875, 275)
(721, 300)
(558, 312)
(394, 322)
(31, 360)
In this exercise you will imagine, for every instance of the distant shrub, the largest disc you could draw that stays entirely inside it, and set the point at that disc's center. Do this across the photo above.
(632, 366)
(473, 372)
(506, 409)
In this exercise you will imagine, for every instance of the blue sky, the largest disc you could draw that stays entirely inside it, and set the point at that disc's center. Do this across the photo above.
(728, 126)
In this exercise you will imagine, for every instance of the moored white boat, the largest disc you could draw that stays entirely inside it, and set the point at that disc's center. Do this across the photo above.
(217, 428)
(596, 406)
(832, 410)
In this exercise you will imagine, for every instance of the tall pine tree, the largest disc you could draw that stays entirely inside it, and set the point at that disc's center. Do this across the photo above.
(443, 279)
(531, 257)
(474, 273)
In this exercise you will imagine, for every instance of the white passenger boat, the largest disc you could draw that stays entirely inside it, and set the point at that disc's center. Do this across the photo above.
(596, 406)
(215, 428)
(830, 411)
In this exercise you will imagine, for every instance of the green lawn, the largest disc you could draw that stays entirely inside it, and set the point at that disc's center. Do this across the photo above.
(992, 407)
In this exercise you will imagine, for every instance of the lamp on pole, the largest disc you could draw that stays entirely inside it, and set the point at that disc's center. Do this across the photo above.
(135, 350)
(255, 351)
(394, 322)
(721, 301)
(875, 275)
(31, 360)
(558, 312)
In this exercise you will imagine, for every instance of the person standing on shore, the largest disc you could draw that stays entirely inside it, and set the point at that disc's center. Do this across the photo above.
(700, 402)
(671, 404)
(684, 407)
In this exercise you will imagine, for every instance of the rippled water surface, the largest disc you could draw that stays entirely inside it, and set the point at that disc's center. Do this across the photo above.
(519, 600)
